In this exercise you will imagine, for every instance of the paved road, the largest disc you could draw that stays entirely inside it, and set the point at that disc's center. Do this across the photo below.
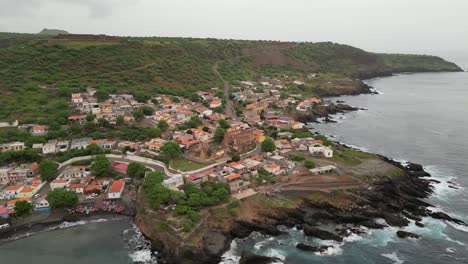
(229, 108)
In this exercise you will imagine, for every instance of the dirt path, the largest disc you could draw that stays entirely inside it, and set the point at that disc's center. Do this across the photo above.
(229, 109)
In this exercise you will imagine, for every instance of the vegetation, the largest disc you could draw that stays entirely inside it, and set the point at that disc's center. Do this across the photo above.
(268, 145)
(309, 164)
(19, 157)
(351, 156)
(37, 77)
(183, 164)
(136, 169)
(48, 170)
(219, 134)
(157, 194)
(22, 208)
(101, 166)
(171, 149)
(62, 198)
(163, 125)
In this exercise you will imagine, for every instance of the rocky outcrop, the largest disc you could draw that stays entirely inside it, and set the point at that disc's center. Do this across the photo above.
(322, 111)
(444, 216)
(321, 234)
(405, 234)
(250, 258)
(308, 248)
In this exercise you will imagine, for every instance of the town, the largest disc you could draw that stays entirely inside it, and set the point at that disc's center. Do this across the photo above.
(248, 146)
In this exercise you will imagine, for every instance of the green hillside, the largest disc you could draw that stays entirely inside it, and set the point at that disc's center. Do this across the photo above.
(37, 76)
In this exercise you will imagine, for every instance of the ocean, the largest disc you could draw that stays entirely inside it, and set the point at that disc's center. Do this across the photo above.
(421, 118)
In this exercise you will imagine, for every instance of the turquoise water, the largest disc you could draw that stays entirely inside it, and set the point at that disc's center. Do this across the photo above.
(421, 118)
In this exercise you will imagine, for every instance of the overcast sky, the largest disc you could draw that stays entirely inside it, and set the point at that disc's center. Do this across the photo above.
(420, 26)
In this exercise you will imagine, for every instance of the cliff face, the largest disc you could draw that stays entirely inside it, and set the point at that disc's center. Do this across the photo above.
(394, 199)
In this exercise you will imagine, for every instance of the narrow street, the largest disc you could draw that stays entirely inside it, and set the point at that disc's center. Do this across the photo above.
(229, 107)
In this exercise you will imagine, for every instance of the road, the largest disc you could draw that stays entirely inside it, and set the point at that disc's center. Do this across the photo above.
(229, 108)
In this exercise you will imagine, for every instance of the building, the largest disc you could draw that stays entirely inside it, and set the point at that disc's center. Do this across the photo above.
(116, 189)
(50, 147)
(5, 212)
(58, 184)
(39, 130)
(323, 150)
(323, 170)
(27, 192)
(42, 206)
(12, 191)
(12, 146)
(174, 182)
(215, 103)
(79, 143)
(76, 187)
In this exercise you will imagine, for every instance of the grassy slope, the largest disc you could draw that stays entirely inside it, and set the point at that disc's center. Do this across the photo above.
(149, 65)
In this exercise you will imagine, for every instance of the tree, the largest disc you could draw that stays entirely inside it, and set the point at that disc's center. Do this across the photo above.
(138, 115)
(224, 124)
(194, 122)
(120, 120)
(103, 122)
(235, 158)
(93, 149)
(100, 166)
(163, 125)
(219, 135)
(171, 149)
(101, 95)
(136, 169)
(62, 198)
(205, 129)
(268, 145)
(147, 110)
(23, 208)
(309, 164)
(90, 117)
(153, 132)
(48, 170)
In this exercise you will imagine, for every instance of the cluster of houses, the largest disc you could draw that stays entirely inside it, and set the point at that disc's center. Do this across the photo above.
(79, 180)
(116, 105)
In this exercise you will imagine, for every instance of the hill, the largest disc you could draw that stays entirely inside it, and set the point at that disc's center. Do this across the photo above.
(37, 76)
(52, 32)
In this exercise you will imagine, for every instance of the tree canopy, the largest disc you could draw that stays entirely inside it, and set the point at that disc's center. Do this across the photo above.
(101, 166)
(62, 198)
(268, 145)
(23, 208)
(219, 134)
(136, 169)
(48, 170)
(171, 149)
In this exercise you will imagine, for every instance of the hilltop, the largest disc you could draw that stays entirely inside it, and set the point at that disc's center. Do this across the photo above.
(52, 32)
(38, 74)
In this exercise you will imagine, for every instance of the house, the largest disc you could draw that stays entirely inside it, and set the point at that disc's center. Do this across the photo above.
(215, 103)
(79, 119)
(9, 124)
(76, 187)
(77, 98)
(297, 125)
(50, 147)
(273, 168)
(12, 191)
(319, 149)
(27, 192)
(42, 206)
(12, 146)
(62, 145)
(39, 130)
(116, 189)
(93, 188)
(5, 212)
(104, 143)
(155, 144)
(121, 167)
(79, 143)
(18, 173)
(236, 184)
(74, 172)
(4, 174)
(322, 170)
(58, 183)
(199, 178)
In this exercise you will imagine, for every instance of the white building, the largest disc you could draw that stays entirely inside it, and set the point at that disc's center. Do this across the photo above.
(116, 189)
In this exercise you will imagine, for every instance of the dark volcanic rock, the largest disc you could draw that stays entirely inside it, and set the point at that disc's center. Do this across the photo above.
(250, 258)
(321, 234)
(419, 224)
(309, 248)
(444, 216)
(215, 243)
(405, 234)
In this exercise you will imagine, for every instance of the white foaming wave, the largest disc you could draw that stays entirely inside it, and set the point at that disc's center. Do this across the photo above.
(454, 241)
(334, 250)
(459, 227)
(353, 238)
(141, 247)
(450, 250)
(276, 253)
(393, 257)
(142, 256)
(230, 256)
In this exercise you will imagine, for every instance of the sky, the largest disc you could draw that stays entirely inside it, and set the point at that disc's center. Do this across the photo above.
(416, 26)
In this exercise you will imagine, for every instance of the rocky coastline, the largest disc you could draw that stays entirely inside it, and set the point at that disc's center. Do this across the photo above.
(392, 202)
